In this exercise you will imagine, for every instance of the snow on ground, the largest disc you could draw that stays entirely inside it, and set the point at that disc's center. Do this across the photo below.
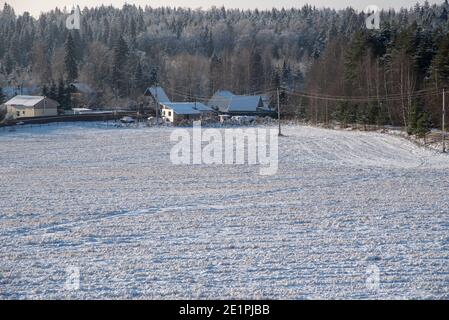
(108, 201)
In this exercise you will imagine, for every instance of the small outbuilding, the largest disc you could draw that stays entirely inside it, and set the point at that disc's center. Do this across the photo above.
(31, 106)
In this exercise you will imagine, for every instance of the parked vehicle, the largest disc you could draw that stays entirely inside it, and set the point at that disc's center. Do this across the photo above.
(127, 120)
(245, 120)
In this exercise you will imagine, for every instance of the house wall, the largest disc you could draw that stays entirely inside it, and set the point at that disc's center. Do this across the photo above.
(50, 109)
(168, 114)
(175, 118)
(20, 112)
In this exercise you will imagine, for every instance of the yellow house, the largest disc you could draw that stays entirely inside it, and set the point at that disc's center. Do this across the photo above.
(31, 106)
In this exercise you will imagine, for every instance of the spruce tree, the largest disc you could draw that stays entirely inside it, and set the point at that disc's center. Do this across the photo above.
(70, 63)
(275, 83)
(53, 92)
(153, 77)
(119, 66)
(210, 44)
(215, 73)
(45, 91)
(286, 77)
(346, 113)
(423, 124)
(373, 114)
(63, 95)
(139, 77)
(256, 72)
(10, 63)
(420, 122)
(441, 61)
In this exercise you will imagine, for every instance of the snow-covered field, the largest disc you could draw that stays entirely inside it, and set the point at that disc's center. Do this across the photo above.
(342, 206)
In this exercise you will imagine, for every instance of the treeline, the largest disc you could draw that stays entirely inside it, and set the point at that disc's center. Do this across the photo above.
(395, 75)
(399, 69)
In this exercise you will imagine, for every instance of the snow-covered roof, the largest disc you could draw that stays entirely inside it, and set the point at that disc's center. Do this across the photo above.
(226, 101)
(187, 107)
(26, 101)
(157, 93)
(220, 100)
(244, 103)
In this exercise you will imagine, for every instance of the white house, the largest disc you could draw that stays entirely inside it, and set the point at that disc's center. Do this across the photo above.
(31, 106)
(175, 112)
(229, 103)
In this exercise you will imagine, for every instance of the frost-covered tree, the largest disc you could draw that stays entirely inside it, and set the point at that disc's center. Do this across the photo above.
(325, 51)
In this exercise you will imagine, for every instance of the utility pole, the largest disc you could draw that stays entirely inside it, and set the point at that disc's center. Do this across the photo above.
(279, 113)
(157, 106)
(444, 121)
(196, 108)
(115, 103)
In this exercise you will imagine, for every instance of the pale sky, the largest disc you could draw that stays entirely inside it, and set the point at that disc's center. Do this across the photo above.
(37, 6)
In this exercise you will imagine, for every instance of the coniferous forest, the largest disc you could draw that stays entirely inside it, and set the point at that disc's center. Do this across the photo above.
(327, 64)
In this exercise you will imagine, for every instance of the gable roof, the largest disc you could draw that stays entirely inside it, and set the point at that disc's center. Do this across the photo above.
(244, 103)
(226, 101)
(220, 100)
(187, 107)
(30, 101)
(157, 93)
(27, 101)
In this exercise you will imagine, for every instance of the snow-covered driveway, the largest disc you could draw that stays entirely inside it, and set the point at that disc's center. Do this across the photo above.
(342, 206)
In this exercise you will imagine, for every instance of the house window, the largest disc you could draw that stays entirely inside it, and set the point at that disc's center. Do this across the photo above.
(23, 112)
(18, 113)
(169, 113)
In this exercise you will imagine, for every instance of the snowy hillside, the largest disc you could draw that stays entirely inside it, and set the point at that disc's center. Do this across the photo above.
(108, 201)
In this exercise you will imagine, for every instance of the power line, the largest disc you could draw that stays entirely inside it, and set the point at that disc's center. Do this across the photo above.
(207, 98)
(361, 97)
(393, 97)
(312, 95)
